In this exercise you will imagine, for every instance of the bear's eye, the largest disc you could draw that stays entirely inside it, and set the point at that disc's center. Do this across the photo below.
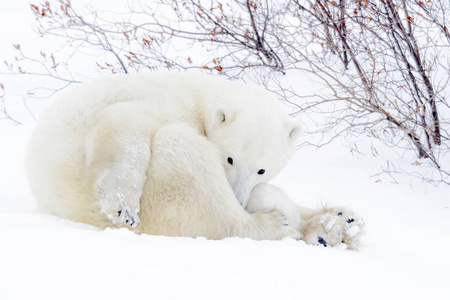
(262, 171)
(230, 160)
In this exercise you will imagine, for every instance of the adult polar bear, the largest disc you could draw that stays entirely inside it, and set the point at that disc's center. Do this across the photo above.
(165, 153)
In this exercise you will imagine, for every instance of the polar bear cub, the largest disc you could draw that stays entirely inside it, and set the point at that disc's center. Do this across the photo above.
(173, 154)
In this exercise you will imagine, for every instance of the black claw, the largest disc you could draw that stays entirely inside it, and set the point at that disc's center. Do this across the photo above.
(350, 221)
(322, 241)
(339, 213)
(120, 212)
(127, 221)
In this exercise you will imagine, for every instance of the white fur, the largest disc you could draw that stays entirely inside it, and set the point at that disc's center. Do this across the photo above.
(151, 151)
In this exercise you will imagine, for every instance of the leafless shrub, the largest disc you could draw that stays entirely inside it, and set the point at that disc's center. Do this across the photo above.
(380, 68)
(4, 115)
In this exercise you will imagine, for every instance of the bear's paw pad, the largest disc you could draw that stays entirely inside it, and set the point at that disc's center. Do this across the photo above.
(335, 227)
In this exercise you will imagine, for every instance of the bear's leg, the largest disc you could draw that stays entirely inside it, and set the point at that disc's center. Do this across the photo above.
(265, 196)
(117, 157)
(188, 193)
(329, 227)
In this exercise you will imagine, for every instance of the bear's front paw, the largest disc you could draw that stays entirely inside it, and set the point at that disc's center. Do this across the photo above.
(118, 207)
(333, 227)
(122, 217)
(128, 218)
(119, 197)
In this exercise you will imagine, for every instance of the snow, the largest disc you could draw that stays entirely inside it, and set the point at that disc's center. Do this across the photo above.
(405, 252)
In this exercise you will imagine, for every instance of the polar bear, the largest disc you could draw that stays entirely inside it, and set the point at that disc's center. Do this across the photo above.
(165, 153)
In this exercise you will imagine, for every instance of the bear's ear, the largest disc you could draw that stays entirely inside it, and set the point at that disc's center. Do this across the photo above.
(225, 116)
(295, 130)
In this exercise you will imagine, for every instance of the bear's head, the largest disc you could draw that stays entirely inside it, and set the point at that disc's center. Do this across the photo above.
(255, 142)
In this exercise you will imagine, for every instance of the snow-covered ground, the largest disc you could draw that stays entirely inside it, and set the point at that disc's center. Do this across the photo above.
(405, 253)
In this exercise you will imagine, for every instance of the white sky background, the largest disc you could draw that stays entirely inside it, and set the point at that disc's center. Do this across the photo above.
(15, 25)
